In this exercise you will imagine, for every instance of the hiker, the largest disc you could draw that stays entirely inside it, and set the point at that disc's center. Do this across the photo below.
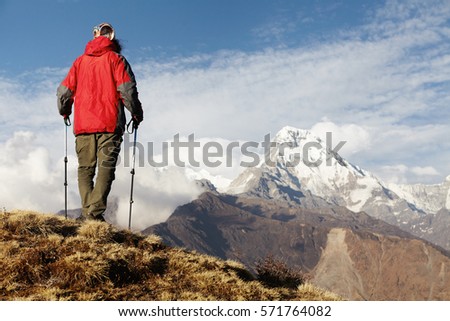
(99, 84)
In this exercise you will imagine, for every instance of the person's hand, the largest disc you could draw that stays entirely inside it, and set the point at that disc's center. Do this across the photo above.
(137, 119)
(134, 123)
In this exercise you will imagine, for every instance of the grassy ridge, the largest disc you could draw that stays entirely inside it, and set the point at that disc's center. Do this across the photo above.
(46, 257)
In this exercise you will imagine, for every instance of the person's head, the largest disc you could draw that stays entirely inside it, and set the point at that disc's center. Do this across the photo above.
(104, 29)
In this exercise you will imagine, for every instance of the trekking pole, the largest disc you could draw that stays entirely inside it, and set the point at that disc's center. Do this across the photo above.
(67, 123)
(133, 129)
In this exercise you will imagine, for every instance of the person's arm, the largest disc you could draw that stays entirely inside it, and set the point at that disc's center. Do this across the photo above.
(65, 93)
(126, 86)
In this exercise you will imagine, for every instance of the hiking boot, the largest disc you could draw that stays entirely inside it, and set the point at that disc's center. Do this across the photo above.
(99, 218)
(81, 218)
(90, 217)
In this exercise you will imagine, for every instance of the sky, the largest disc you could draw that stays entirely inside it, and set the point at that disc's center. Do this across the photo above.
(374, 73)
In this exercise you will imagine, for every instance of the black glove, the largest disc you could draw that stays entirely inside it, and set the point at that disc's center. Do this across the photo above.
(137, 119)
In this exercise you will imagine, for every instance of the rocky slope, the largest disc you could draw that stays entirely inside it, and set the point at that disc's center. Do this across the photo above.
(379, 267)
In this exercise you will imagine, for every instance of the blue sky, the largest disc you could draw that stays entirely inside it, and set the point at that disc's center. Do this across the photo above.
(374, 73)
(56, 31)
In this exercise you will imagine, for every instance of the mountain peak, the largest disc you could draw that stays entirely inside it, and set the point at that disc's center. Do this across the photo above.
(302, 164)
(289, 134)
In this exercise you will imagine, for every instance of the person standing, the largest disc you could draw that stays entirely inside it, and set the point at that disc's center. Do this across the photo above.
(99, 84)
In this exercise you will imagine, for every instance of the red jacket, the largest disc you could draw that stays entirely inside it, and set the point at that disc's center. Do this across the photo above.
(99, 83)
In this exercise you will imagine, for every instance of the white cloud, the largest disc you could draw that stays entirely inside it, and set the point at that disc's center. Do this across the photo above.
(424, 171)
(357, 138)
(402, 174)
(361, 82)
(30, 178)
(396, 174)
(156, 195)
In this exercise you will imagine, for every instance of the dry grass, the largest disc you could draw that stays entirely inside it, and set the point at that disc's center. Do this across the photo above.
(46, 257)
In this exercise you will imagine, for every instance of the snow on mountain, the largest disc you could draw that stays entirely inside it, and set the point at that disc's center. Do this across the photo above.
(300, 166)
(323, 172)
(219, 182)
(429, 198)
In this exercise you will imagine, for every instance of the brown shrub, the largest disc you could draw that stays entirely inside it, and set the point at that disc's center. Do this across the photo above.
(275, 273)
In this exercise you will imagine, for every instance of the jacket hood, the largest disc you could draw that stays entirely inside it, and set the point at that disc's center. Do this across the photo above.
(99, 46)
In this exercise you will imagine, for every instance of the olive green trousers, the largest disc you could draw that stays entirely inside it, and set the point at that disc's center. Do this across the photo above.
(99, 152)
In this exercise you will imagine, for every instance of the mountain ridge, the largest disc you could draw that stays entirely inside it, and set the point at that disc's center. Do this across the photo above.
(245, 229)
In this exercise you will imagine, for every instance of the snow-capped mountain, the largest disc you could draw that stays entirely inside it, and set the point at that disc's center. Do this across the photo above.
(429, 198)
(302, 164)
(303, 169)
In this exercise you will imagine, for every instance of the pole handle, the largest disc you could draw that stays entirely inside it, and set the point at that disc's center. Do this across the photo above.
(67, 121)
